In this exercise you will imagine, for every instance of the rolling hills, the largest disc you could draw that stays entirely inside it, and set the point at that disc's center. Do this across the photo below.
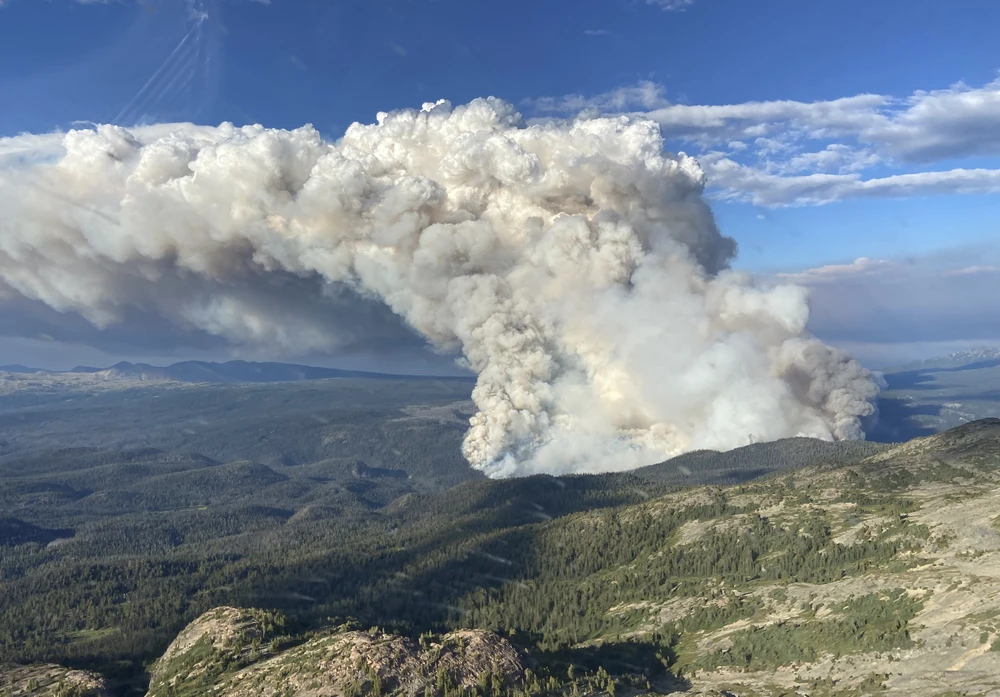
(341, 511)
(860, 573)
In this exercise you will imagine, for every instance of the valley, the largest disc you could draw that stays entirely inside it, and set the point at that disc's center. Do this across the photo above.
(936, 394)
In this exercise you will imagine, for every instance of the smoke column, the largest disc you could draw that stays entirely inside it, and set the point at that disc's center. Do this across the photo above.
(574, 265)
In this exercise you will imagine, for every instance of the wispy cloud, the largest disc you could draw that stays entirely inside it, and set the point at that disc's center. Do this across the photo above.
(862, 266)
(645, 94)
(955, 122)
(753, 184)
(670, 5)
(786, 152)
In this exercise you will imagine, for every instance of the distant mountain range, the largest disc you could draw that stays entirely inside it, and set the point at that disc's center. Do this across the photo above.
(981, 357)
(936, 394)
(251, 371)
(228, 372)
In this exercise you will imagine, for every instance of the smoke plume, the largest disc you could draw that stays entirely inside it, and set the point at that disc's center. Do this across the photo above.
(575, 267)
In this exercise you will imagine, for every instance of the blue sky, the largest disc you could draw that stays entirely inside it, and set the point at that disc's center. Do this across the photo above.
(830, 131)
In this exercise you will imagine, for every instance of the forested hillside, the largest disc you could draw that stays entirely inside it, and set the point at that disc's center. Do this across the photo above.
(615, 579)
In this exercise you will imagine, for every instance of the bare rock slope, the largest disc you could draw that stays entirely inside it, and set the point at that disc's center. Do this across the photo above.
(47, 680)
(242, 653)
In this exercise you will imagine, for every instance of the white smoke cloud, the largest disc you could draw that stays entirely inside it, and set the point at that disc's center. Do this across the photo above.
(574, 265)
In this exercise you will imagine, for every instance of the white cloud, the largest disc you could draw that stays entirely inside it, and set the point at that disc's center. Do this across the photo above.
(834, 157)
(960, 121)
(955, 122)
(670, 5)
(785, 152)
(645, 94)
(861, 266)
(973, 270)
(711, 124)
(751, 184)
(30, 146)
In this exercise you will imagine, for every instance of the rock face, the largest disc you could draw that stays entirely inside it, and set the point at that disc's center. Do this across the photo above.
(219, 641)
(48, 680)
(950, 482)
(241, 653)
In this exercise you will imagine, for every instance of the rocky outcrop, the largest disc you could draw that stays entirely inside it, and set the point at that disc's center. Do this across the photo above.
(219, 641)
(240, 653)
(46, 680)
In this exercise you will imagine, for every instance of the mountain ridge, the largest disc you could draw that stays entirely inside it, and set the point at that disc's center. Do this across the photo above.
(955, 359)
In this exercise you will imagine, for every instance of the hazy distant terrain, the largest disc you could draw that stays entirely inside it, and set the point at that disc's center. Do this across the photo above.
(202, 371)
(921, 398)
(394, 423)
(937, 394)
